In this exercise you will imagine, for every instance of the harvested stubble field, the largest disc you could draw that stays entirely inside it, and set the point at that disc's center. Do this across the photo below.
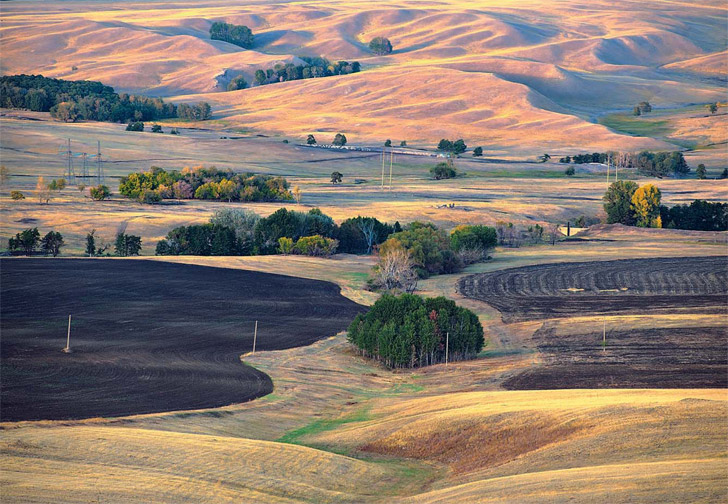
(148, 336)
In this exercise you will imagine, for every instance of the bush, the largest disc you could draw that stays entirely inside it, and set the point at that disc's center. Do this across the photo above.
(100, 192)
(311, 140)
(472, 243)
(17, 195)
(388, 143)
(340, 139)
(135, 126)
(315, 245)
(285, 245)
(408, 331)
(478, 152)
(428, 247)
(237, 83)
(443, 171)
(336, 177)
(156, 128)
(380, 46)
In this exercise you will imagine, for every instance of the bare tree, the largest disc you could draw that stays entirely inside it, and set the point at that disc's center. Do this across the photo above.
(554, 233)
(4, 175)
(43, 191)
(395, 271)
(297, 194)
(368, 230)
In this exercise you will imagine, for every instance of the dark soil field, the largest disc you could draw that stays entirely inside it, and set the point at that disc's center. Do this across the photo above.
(670, 285)
(147, 336)
(683, 357)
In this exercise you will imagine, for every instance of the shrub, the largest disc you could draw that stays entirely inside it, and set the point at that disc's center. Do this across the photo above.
(285, 245)
(135, 126)
(570, 171)
(237, 83)
(16, 195)
(336, 177)
(409, 331)
(443, 171)
(473, 242)
(156, 128)
(428, 248)
(311, 140)
(100, 192)
(478, 152)
(380, 46)
(315, 245)
(388, 143)
(403, 143)
(340, 139)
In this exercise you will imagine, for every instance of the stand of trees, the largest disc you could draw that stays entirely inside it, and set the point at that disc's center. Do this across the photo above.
(27, 241)
(203, 183)
(409, 331)
(71, 101)
(443, 171)
(240, 35)
(456, 147)
(700, 215)
(655, 164)
(313, 68)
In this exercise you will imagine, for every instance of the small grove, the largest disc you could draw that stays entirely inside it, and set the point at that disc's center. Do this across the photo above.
(655, 164)
(203, 183)
(627, 203)
(408, 331)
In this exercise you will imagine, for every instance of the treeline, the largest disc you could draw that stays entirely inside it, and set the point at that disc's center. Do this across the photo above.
(408, 331)
(27, 242)
(71, 101)
(203, 183)
(239, 35)
(655, 164)
(313, 68)
(627, 203)
(242, 232)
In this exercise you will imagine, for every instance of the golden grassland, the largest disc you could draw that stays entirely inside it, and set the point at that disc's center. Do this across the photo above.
(339, 428)
(516, 77)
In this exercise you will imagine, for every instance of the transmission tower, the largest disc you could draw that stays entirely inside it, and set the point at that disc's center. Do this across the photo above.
(99, 168)
(66, 152)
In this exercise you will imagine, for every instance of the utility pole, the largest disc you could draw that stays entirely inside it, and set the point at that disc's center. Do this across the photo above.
(99, 174)
(68, 337)
(447, 346)
(391, 159)
(604, 336)
(607, 171)
(255, 335)
(382, 187)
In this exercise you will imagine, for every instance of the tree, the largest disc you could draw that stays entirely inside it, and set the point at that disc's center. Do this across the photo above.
(297, 194)
(127, 245)
(52, 243)
(636, 111)
(380, 46)
(242, 222)
(713, 107)
(311, 140)
(285, 245)
(260, 77)
(443, 171)
(42, 191)
(478, 152)
(156, 128)
(100, 192)
(472, 243)
(388, 143)
(570, 171)
(4, 175)
(618, 202)
(340, 139)
(395, 270)
(456, 147)
(645, 206)
(644, 107)
(237, 83)
(17, 195)
(403, 143)
(724, 173)
(701, 172)
(554, 233)
(543, 158)
(65, 111)
(91, 243)
(358, 235)
(27, 241)
(336, 177)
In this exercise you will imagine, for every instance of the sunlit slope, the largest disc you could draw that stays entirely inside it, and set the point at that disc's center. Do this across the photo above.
(488, 65)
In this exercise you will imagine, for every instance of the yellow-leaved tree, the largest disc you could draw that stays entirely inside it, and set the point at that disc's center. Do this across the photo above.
(646, 206)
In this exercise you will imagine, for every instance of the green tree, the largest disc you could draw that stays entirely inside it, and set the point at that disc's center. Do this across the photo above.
(724, 173)
(311, 140)
(27, 241)
(403, 143)
(701, 172)
(618, 202)
(239, 35)
(242, 222)
(238, 82)
(336, 177)
(100, 192)
(645, 206)
(52, 243)
(380, 46)
(388, 143)
(340, 139)
(260, 77)
(570, 171)
(91, 243)
(713, 107)
(478, 152)
(127, 245)
(443, 171)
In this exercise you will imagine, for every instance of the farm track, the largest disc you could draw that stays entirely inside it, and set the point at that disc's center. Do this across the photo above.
(604, 287)
(147, 336)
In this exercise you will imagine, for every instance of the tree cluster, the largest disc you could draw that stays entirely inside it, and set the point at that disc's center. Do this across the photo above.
(642, 108)
(700, 215)
(627, 203)
(239, 35)
(408, 331)
(27, 241)
(456, 147)
(195, 112)
(443, 171)
(311, 69)
(661, 164)
(202, 183)
(71, 101)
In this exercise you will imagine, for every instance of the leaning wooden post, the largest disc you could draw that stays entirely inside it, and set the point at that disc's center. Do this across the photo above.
(255, 335)
(447, 346)
(68, 337)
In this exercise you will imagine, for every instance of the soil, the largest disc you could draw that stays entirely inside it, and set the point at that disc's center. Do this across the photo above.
(147, 336)
(670, 285)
